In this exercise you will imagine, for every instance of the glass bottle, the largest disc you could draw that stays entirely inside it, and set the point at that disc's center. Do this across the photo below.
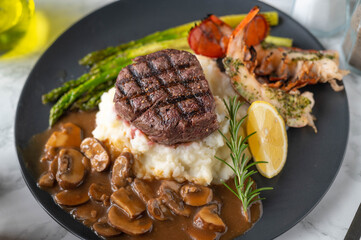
(15, 16)
(351, 46)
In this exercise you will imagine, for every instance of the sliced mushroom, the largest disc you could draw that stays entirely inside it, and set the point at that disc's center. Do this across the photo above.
(46, 180)
(97, 192)
(207, 218)
(105, 230)
(133, 227)
(122, 169)
(71, 170)
(49, 154)
(142, 189)
(113, 151)
(71, 197)
(128, 201)
(86, 213)
(196, 195)
(158, 210)
(166, 184)
(69, 136)
(87, 164)
(98, 155)
(106, 200)
(53, 167)
(169, 193)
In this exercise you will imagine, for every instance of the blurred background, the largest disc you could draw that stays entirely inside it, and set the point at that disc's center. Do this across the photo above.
(44, 23)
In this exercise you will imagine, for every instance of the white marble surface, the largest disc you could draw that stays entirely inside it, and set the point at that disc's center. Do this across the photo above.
(22, 218)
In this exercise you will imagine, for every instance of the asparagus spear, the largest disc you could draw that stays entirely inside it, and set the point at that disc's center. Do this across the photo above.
(131, 53)
(278, 41)
(169, 34)
(89, 94)
(234, 20)
(71, 96)
(97, 56)
(93, 101)
(78, 103)
(94, 57)
(54, 94)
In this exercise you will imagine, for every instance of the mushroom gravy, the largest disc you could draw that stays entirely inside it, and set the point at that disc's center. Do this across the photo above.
(124, 207)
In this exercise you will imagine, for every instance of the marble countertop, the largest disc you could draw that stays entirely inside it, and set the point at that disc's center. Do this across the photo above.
(21, 217)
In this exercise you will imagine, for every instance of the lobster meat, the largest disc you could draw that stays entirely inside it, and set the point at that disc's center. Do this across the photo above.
(271, 74)
(279, 67)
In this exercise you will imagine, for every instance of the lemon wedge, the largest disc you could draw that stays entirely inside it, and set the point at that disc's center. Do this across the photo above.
(269, 144)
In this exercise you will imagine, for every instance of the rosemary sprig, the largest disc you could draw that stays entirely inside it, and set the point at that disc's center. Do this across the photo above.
(245, 190)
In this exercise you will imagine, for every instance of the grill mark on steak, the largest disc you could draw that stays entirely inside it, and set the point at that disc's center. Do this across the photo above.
(137, 80)
(165, 94)
(164, 86)
(149, 90)
(184, 83)
(175, 101)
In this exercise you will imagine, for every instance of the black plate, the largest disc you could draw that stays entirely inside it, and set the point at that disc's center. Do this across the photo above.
(313, 159)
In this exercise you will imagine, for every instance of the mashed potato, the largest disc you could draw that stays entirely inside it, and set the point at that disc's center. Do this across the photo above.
(193, 161)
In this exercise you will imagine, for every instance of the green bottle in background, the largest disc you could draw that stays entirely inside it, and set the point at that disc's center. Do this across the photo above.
(15, 16)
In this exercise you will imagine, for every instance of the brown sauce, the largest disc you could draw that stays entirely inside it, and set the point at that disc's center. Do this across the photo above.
(176, 228)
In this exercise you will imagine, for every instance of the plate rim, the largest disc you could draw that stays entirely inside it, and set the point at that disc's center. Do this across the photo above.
(25, 172)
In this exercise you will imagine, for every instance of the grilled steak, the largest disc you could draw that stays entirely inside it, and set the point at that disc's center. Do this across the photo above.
(166, 96)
